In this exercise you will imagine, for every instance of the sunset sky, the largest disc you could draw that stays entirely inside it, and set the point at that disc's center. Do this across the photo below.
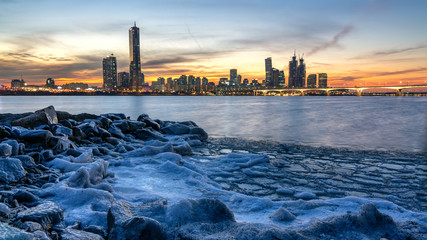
(357, 42)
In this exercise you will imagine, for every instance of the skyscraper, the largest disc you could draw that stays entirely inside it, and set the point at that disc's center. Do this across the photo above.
(50, 83)
(293, 65)
(135, 77)
(268, 71)
(233, 77)
(323, 80)
(109, 68)
(274, 78)
(301, 74)
(312, 81)
(282, 79)
(123, 80)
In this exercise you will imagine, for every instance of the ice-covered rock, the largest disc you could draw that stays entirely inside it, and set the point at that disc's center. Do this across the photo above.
(62, 131)
(146, 134)
(305, 195)
(5, 150)
(116, 132)
(176, 129)
(282, 214)
(285, 191)
(149, 150)
(31, 226)
(46, 214)
(74, 234)
(4, 210)
(11, 170)
(15, 146)
(85, 157)
(8, 232)
(204, 210)
(200, 132)
(150, 123)
(182, 147)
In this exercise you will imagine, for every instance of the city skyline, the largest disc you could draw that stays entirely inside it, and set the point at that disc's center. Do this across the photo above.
(356, 42)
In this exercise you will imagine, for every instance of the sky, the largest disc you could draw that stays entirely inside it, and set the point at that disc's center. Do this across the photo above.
(356, 42)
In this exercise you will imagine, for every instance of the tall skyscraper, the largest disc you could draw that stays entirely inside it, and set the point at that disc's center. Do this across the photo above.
(205, 82)
(281, 79)
(312, 81)
(274, 78)
(233, 77)
(109, 68)
(301, 74)
(293, 65)
(268, 71)
(323, 80)
(135, 77)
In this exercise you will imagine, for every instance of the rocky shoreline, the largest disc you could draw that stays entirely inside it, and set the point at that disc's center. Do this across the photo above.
(55, 183)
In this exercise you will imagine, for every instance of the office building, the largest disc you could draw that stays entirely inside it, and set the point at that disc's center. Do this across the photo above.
(301, 74)
(109, 68)
(293, 65)
(50, 83)
(323, 80)
(123, 80)
(282, 81)
(312, 81)
(268, 71)
(233, 77)
(135, 76)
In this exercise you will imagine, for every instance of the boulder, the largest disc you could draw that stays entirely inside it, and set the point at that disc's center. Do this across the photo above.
(114, 116)
(104, 133)
(116, 132)
(23, 196)
(176, 129)
(82, 116)
(135, 125)
(142, 116)
(122, 125)
(74, 234)
(63, 115)
(199, 131)
(182, 148)
(146, 134)
(63, 131)
(204, 210)
(31, 226)
(36, 136)
(105, 122)
(44, 116)
(66, 123)
(150, 123)
(5, 132)
(9, 232)
(5, 150)
(46, 214)
(15, 146)
(26, 161)
(60, 144)
(4, 210)
(11, 170)
(89, 128)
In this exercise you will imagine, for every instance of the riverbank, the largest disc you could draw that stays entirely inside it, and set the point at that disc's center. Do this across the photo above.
(106, 176)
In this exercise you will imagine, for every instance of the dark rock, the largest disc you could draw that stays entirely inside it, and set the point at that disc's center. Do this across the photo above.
(116, 132)
(176, 129)
(142, 116)
(96, 140)
(5, 132)
(60, 143)
(151, 123)
(90, 129)
(31, 226)
(82, 116)
(105, 122)
(36, 136)
(113, 140)
(282, 214)
(114, 116)
(78, 133)
(42, 127)
(97, 230)
(15, 146)
(46, 155)
(5, 150)
(27, 161)
(204, 210)
(182, 148)
(8, 232)
(145, 134)
(135, 125)
(23, 196)
(189, 123)
(46, 214)
(44, 116)
(63, 116)
(11, 170)
(104, 133)
(4, 210)
(73, 152)
(122, 125)
(66, 123)
(199, 131)
(74, 234)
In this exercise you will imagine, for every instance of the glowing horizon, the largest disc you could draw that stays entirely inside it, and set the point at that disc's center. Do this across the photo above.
(371, 42)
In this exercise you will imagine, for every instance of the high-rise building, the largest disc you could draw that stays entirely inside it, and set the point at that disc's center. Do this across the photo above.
(50, 83)
(293, 65)
(169, 84)
(233, 76)
(198, 84)
(245, 81)
(109, 68)
(274, 78)
(301, 74)
(191, 83)
(123, 80)
(323, 80)
(205, 82)
(268, 71)
(136, 77)
(239, 79)
(16, 83)
(312, 81)
(282, 82)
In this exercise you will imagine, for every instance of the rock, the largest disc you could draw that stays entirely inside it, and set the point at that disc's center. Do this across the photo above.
(46, 214)
(145, 134)
(90, 129)
(149, 150)
(176, 129)
(36, 136)
(78, 133)
(85, 157)
(63, 116)
(105, 122)
(114, 116)
(182, 148)
(151, 123)
(46, 155)
(74, 234)
(204, 210)
(116, 132)
(122, 125)
(63, 131)
(15, 146)
(23, 196)
(11, 170)
(282, 214)
(82, 116)
(31, 226)
(40, 235)
(199, 131)
(135, 125)
(5, 150)
(44, 116)
(8, 232)
(5, 132)
(305, 195)
(112, 140)
(370, 216)
(104, 133)
(60, 144)
(66, 123)
(142, 116)
(27, 161)
(189, 123)
(4, 210)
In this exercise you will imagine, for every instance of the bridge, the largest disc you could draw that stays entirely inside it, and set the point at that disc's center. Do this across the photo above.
(358, 90)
